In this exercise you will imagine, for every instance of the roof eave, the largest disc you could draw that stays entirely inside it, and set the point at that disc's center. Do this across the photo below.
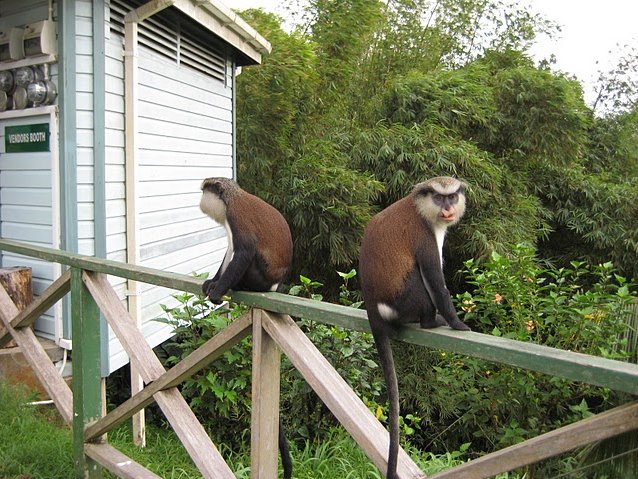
(227, 25)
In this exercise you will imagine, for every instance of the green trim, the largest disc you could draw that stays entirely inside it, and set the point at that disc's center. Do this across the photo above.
(99, 155)
(68, 125)
(67, 139)
(87, 387)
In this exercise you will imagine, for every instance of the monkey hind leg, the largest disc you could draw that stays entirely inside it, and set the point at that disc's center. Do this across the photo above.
(428, 317)
(433, 321)
(284, 451)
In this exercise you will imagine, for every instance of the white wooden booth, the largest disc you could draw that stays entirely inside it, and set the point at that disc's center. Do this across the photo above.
(136, 107)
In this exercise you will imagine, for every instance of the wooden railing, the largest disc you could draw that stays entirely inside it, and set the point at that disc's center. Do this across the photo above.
(274, 331)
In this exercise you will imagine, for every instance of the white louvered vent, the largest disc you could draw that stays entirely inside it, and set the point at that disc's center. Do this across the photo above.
(170, 36)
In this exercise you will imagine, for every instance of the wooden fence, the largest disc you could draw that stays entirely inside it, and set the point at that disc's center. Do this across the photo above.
(274, 331)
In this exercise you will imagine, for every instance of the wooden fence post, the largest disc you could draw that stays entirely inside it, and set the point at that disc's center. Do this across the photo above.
(87, 381)
(265, 402)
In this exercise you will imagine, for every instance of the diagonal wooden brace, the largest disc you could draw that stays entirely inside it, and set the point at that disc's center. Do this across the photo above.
(198, 359)
(333, 390)
(38, 359)
(194, 437)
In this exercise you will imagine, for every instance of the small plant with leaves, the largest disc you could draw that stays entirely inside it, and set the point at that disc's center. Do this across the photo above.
(350, 352)
(220, 393)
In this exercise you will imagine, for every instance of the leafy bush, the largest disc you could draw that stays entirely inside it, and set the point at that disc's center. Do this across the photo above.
(220, 394)
(460, 399)
(351, 353)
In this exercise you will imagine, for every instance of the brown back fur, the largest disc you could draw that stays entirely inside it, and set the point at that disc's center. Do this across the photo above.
(261, 218)
(389, 246)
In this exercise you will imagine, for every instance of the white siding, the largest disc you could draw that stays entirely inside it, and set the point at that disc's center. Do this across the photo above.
(28, 210)
(84, 119)
(185, 135)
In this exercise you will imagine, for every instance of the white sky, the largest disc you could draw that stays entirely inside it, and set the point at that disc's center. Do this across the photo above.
(591, 29)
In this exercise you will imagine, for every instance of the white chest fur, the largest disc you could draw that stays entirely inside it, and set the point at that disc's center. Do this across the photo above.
(230, 251)
(213, 206)
(439, 234)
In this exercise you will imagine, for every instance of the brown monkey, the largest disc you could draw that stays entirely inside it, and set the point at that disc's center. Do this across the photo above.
(401, 274)
(259, 254)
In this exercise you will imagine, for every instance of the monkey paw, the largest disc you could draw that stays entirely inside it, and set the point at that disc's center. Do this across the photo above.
(208, 288)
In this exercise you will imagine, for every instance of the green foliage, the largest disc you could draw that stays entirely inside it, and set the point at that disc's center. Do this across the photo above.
(613, 146)
(351, 353)
(582, 308)
(327, 206)
(543, 116)
(591, 217)
(342, 32)
(460, 400)
(271, 103)
(219, 394)
(333, 103)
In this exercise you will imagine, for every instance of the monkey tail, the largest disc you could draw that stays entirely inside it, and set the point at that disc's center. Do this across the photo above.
(286, 460)
(384, 348)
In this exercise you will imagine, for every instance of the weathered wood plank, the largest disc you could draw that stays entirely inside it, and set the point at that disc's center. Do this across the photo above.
(117, 463)
(139, 273)
(602, 426)
(86, 365)
(38, 359)
(56, 291)
(617, 375)
(193, 436)
(265, 402)
(198, 359)
(355, 417)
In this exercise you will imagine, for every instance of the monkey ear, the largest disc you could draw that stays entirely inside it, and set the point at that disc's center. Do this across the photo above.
(217, 187)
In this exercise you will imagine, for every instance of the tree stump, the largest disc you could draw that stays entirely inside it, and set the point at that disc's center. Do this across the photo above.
(17, 283)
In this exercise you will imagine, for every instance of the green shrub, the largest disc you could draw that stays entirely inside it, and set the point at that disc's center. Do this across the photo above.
(220, 394)
(461, 399)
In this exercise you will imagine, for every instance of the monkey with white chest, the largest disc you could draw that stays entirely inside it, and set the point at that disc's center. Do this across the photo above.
(259, 254)
(401, 275)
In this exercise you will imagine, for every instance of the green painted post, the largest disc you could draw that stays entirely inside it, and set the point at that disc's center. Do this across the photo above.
(87, 381)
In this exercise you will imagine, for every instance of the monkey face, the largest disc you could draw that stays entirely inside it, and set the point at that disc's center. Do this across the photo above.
(211, 202)
(440, 201)
(450, 207)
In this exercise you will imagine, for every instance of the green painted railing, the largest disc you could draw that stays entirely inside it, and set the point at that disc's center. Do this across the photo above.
(615, 375)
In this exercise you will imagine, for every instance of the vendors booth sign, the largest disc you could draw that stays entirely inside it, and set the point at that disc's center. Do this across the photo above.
(26, 138)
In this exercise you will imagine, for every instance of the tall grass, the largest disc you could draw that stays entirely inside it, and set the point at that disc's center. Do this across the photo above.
(35, 444)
